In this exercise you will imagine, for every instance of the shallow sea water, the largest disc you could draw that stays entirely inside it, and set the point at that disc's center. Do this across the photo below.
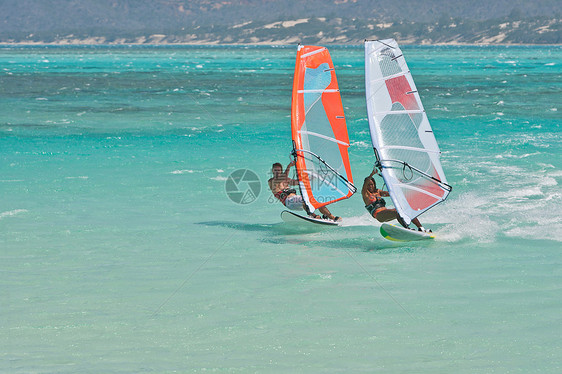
(120, 250)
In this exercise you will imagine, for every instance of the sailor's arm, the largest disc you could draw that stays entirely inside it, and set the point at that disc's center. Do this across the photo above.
(292, 163)
(364, 189)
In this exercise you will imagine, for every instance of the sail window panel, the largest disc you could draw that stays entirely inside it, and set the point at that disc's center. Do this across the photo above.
(323, 183)
(317, 120)
(388, 63)
(399, 129)
(329, 150)
(418, 159)
(318, 78)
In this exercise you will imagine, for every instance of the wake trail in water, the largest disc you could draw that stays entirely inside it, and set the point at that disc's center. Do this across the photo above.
(12, 213)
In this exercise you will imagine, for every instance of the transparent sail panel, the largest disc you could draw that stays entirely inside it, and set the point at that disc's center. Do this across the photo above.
(319, 130)
(400, 132)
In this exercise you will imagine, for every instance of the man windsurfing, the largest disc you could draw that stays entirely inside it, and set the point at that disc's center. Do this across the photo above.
(281, 187)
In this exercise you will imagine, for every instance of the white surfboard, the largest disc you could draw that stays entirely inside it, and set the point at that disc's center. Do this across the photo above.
(401, 234)
(291, 217)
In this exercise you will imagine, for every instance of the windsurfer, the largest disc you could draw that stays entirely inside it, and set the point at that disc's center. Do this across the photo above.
(375, 204)
(280, 185)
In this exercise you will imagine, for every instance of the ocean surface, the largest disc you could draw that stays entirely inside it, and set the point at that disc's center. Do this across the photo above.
(123, 249)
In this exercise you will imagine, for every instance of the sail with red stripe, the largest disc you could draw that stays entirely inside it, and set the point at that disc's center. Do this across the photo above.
(319, 131)
(405, 147)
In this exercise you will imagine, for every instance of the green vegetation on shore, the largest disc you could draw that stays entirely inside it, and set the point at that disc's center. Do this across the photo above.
(280, 21)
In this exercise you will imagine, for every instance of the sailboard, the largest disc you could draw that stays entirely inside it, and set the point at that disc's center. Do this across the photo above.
(401, 234)
(294, 218)
(405, 148)
(319, 131)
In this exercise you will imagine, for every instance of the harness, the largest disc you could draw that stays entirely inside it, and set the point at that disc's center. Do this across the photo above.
(375, 205)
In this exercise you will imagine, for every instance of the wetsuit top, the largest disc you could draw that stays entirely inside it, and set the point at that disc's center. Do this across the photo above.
(282, 195)
(375, 205)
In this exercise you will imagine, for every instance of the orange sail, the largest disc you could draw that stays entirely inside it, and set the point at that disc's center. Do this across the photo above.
(319, 131)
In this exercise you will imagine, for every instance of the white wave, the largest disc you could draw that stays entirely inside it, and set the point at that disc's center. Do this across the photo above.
(464, 217)
(553, 173)
(12, 213)
(360, 144)
(219, 178)
(184, 171)
(522, 194)
(511, 155)
(537, 218)
(79, 177)
(548, 181)
(524, 205)
(363, 220)
(552, 232)
(443, 109)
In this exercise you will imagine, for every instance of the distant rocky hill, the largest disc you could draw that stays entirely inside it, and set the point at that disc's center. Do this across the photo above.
(280, 21)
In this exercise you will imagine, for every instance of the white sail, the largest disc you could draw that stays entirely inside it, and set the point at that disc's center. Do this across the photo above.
(401, 135)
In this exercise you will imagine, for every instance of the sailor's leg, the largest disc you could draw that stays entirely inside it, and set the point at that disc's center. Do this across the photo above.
(385, 215)
(327, 214)
(419, 225)
(310, 214)
(324, 210)
(416, 222)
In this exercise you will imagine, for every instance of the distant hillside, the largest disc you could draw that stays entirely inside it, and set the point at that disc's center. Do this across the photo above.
(279, 21)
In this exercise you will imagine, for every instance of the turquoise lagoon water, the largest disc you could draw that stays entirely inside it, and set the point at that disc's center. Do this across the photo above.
(121, 252)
